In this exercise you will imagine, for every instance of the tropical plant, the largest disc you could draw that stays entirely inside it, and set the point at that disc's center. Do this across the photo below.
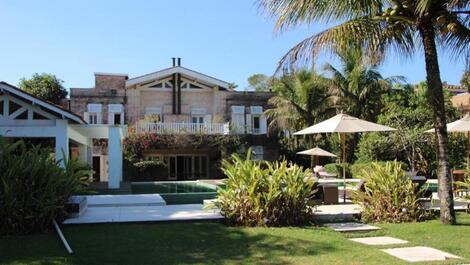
(406, 108)
(76, 169)
(45, 86)
(376, 27)
(265, 194)
(358, 85)
(301, 99)
(33, 188)
(389, 195)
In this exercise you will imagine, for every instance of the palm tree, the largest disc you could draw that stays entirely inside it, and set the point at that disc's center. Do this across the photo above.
(377, 26)
(358, 85)
(301, 100)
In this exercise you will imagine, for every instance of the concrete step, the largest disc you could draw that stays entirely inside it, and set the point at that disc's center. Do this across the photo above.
(337, 213)
(125, 200)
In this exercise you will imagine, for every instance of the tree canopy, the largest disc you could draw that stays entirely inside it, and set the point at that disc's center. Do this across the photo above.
(45, 86)
(259, 82)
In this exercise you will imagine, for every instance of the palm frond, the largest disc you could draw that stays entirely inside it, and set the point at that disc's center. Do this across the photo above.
(290, 13)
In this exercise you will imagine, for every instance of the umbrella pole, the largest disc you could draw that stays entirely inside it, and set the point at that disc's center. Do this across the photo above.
(343, 143)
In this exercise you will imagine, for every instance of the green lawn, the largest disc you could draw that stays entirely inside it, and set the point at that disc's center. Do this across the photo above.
(214, 243)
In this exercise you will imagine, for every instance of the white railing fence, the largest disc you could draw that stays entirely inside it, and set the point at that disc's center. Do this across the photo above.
(183, 127)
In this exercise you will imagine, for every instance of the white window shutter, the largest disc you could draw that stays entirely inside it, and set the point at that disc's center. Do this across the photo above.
(263, 125)
(86, 117)
(237, 122)
(248, 123)
(207, 118)
(99, 118)
(111, 118)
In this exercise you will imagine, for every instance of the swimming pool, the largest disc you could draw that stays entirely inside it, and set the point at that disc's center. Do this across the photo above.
(181, 192)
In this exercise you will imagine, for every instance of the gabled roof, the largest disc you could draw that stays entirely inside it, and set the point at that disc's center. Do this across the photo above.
(45, 105)
(177, 69)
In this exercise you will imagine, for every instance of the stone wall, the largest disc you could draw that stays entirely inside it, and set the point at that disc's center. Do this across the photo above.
(110, 81)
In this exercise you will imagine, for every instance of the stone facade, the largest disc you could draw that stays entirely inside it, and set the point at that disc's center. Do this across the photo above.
(109, 89)
(179, 96)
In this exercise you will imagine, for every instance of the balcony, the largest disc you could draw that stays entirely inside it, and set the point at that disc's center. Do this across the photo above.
(183, 127)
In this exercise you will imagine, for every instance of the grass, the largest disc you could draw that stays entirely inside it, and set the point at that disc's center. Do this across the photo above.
(214, 243)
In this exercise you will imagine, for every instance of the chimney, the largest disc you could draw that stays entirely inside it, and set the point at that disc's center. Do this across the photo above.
(179, 61)
(174, 61)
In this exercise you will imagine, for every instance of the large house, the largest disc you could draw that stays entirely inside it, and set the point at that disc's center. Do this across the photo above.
(176, 100)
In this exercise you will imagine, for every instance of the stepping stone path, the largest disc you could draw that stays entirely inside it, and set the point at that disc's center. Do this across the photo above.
(419, 254)
(410, 254)
(379, 240)
(351, 227)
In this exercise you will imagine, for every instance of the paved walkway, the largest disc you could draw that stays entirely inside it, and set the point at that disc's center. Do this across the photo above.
(121, 214)
(124, 200)
(337, 212)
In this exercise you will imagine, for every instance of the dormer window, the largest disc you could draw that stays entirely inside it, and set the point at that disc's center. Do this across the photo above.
(115, 114)
(93, 114)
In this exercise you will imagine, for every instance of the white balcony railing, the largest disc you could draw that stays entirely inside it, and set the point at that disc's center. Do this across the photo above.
(183, 127)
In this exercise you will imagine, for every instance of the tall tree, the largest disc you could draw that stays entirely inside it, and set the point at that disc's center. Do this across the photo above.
(45, 86)
(358, 84)
(301, 100)
(377, 26)
(259, 82)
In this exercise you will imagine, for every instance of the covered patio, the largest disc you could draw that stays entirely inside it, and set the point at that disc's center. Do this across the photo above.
(24, 116)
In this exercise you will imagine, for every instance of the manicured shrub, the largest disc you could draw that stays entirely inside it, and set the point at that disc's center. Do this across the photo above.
(34, 188)
(263, 193)
(389, 195)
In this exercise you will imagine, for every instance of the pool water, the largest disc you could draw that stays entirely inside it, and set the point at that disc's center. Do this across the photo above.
(187, 192)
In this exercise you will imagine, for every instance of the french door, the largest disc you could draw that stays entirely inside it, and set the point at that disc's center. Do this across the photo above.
(184, 167)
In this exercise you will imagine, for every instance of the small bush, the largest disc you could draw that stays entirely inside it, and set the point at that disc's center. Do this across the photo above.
(263, 193)
(389, 195)
(33, 188)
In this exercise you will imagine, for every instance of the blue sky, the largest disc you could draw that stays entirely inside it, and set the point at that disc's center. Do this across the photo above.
(229, 40)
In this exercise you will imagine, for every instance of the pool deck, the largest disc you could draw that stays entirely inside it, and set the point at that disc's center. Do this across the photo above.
(123, 214)
(124, 200)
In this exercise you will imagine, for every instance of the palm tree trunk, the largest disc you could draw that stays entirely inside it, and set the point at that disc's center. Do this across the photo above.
(436, 100)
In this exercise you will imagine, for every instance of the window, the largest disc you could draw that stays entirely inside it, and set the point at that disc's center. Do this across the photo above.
(94, 114)
(93, 118)
(258, 152)
(256, 124)
(238, 119)
(117, 118)
(198, 119)
(115, 114)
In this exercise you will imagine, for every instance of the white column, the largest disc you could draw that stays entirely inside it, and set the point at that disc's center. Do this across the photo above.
(114, 157)
(85, 151)
(61, 141)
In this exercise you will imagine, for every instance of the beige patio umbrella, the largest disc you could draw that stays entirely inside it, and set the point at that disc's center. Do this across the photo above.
(343, 123)
(462, 125)
(316, 152)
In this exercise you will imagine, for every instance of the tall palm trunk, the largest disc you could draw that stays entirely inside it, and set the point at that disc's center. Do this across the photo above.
(436, 99)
